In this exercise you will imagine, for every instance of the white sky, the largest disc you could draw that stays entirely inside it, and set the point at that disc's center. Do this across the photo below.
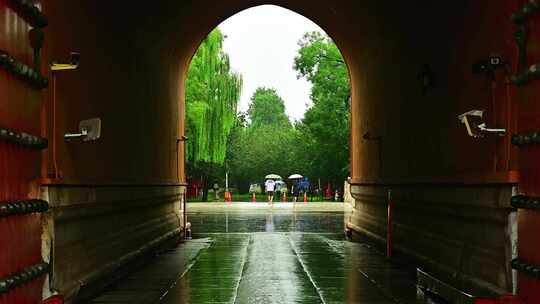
(262, 43)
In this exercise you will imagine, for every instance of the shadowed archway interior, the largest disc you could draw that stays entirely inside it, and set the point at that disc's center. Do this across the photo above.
(453, 191)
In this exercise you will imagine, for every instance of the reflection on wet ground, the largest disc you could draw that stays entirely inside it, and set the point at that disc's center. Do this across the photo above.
(271, 221)
(268, 255)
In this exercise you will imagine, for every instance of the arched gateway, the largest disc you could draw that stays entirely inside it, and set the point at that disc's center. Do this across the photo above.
(411, 66)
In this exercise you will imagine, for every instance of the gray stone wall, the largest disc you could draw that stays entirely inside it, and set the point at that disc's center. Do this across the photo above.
(92, 232)
(461, 234)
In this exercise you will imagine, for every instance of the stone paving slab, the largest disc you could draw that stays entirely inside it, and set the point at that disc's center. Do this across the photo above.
(216, 275)
(150, 283)
(289, 266)
(273, 273)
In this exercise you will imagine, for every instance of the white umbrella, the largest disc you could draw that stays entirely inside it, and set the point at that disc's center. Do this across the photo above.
(295, 176)
(272, 176)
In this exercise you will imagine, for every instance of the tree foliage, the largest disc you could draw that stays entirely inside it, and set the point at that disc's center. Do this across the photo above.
(261, 142)
(325, 128)
(212, 94)
(267, 109)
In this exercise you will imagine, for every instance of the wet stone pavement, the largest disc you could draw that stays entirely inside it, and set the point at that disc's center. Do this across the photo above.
(251, 253)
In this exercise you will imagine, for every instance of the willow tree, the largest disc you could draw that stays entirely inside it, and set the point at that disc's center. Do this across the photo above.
(212, 95)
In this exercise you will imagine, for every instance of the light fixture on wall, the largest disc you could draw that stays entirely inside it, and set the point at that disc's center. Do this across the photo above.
(369, 136)
(74, 59)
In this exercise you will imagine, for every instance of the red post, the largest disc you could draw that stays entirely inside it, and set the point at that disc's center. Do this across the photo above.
(305, 197)
(284, 197)
(253, 198)
(58, 299)
(184, 214)
(389, 226)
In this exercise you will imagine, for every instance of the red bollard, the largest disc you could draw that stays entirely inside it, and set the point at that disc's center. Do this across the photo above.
(389, 226)
(284, 197)
(253, 198)
(305, 197)
(58, 299)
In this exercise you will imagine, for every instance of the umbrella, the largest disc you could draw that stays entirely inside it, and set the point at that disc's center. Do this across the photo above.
(295, 176)
(272, 176)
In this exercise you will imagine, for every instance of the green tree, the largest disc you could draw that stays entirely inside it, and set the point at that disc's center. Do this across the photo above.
(261, 142)
(267, 109)
(324, 130)
(212, 94)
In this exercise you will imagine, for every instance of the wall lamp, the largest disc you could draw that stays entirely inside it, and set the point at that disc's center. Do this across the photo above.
(74, 59)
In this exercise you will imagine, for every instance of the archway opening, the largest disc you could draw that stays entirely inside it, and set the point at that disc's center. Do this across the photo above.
(433, 168)
(266, 97)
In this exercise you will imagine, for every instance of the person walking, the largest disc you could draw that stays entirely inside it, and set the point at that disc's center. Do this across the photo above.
(295, 190)
(278, 188)
(270, 186)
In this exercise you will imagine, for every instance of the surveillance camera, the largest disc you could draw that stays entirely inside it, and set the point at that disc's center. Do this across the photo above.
(472, 120)
(476, 127)
(74, 58)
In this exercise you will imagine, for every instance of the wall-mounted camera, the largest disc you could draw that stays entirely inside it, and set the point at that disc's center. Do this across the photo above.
(475, 125)
(89, 130)
(74, 60)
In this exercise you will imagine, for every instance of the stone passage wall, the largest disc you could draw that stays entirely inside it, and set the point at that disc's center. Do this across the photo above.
(107, 228)
(463, 235)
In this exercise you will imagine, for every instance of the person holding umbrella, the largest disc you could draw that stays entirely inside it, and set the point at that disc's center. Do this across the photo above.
(295, 189)
(270, 186)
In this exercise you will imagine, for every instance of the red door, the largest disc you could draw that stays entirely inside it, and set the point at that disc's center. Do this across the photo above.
(527, 141)
(22, 270)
